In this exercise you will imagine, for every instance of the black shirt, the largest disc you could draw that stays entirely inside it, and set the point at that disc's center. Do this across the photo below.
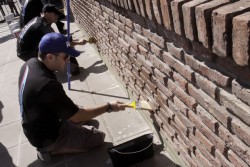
(30, 36)
(30, 9)
(43, 103)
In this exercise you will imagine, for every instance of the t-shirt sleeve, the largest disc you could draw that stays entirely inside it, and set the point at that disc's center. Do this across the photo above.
(54, 99)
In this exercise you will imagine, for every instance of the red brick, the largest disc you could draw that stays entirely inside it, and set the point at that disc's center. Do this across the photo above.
(137, 28)
(177, 15)
(215, 140)
(238, 108)
(189, 19)
(125, 46)
(143, 51)
(241, 92)
(145, 63)
(222, 18)
(203, 140)
(185, 98)
(166, 14)
(206, 85)
(235, 159)
(156, 50)
(114, 28)
(241, 44)
(142, 7)
(129, 23)
(158, 40)
(137, 8)
(204, 151)
(176, 52)
(160, 76)
(141, 40)
(222, 159)
(164, 89)
(203, 160)
(184, 70)
(179, 80)
(148, 7)
(208, 72)
(128, 30)
(179, 104)
(133, 43)
(163, 67)
(125, 4)
(241, 130)
(207, 119)
(156, 9)
(219, 112)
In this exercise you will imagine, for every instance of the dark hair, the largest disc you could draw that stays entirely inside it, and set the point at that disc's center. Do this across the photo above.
(42, 55)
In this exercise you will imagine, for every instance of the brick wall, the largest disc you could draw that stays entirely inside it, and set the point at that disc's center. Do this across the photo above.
(190, 60)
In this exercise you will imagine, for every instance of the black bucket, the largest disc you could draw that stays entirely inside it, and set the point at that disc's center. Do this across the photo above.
(132, 152)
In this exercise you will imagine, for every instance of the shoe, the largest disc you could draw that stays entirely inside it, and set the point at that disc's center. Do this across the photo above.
(43, 156)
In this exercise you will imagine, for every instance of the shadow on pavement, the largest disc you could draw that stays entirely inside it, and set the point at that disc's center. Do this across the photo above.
(6, 38)
(6, 159)
(84, 73)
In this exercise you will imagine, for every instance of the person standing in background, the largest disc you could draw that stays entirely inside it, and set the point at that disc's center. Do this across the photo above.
(13, 8)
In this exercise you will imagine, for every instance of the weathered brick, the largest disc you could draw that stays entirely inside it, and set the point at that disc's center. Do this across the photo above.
(177, 15)
(184, 70)
(141, 40)
(207, 119)
(219, 112)
(180, 105)
(137, 28)
(205, 152)
(202, 68)
(129, 23)
(125, 46)
(241, 44)
(136, 5)
(222, 158)
(185, 98)
(143, 51)
(206, 85)
(241, 92)
(202, 159)
(166, 14)
(215, 140)
(203, 20)
(149, 9)
(237, 107)
(158, 40)
(160, 76)
(235, 159)
(128, 30)
(241, 130)
(222, 24)
(156, 50)
(164, 89)
(189, 19)
(156, 9)
(133, 43)
(176, 52)
(114, 28)
(181, 81)
(142, 7)
(163, 67)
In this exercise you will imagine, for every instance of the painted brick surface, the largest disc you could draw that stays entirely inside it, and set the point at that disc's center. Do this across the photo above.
(195, 79)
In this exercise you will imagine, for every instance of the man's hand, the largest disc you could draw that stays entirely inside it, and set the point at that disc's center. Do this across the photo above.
(117, 105)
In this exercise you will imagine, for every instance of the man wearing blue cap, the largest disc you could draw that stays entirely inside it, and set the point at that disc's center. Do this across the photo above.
(49, 116)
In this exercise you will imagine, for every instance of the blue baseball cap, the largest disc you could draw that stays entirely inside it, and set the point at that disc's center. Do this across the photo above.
(56, 43)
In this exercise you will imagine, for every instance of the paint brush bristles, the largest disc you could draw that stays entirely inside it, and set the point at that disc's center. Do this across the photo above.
(140, 105)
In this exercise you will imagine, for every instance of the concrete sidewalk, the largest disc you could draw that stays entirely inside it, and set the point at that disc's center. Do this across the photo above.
(95, 85)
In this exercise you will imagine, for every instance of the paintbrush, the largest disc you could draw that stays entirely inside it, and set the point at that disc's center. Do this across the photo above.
(140, 105)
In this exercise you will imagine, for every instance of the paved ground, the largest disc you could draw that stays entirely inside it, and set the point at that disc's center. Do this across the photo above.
(95, 85)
